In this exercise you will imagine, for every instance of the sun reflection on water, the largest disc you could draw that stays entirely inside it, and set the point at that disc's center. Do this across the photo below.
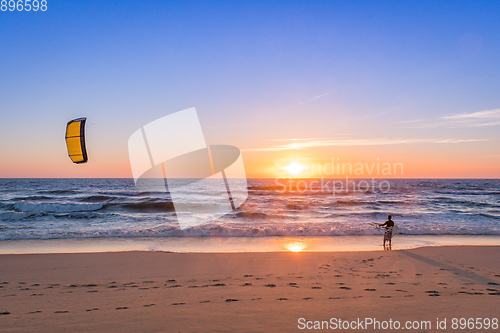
(295, 246)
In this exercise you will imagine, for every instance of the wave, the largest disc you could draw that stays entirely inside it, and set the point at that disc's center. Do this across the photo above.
(98, 198)
(28, 206)
(59, 192)
(146, 206)
(34, 197)
(476, 192)
(251, 215)
(130, 193)
(268, 230)
(17, 216)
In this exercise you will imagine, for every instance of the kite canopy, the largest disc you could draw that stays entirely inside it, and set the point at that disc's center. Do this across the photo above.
(75, 140)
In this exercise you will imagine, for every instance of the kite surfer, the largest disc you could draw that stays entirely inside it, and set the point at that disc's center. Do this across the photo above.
(389, 224)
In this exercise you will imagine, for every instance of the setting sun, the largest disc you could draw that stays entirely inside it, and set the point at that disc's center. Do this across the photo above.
(295, 168)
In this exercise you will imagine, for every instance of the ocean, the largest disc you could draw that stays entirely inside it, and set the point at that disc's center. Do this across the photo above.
(41, 209)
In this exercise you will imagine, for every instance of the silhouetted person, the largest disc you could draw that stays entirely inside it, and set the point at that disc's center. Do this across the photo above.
(388, 231)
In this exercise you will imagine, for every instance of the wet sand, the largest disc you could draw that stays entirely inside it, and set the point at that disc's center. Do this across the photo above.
(245, 292)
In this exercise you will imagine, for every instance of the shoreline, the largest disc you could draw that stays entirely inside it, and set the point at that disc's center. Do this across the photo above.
(239, 244)
(245, 292)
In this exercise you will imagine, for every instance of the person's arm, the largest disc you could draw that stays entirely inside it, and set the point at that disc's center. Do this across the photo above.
(383, 224)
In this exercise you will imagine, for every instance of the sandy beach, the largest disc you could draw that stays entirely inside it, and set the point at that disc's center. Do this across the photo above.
(245, 292)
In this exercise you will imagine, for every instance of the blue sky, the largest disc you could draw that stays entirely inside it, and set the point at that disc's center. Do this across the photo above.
(259, 73)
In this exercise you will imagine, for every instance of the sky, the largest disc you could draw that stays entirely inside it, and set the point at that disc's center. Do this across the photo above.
(311, 82)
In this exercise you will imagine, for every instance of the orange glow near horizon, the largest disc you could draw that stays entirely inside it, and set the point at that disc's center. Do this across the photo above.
(418, 161)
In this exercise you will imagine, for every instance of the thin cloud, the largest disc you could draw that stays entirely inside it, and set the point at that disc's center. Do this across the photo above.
(309, 100)
(487, 114)
(295, 144)
(321, 95)
(473, 119)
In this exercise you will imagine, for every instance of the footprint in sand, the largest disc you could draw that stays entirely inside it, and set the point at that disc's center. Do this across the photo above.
(180, 303)
(31, 312)
(370, 289)
(345, 288)
(61, 311)
(270, 285)
(204, 301)
(229, 300)
(248, 275)
(147, 305)
(122, 308)
(385, 296)
(52, 285)
(282, 299)
(246, 284)
(94, 309)
(306, 298)
(315, 287)
(4, 313)
(171, 281)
